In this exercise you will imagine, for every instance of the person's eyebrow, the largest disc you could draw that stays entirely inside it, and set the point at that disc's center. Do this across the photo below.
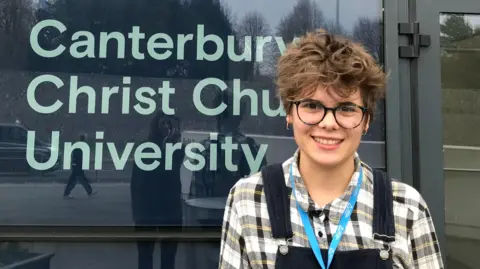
(347, 103)
(311, 100)
(344, 103)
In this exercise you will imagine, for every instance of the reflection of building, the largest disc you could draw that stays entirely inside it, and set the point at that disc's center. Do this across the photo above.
(460, 91)
(461, 120)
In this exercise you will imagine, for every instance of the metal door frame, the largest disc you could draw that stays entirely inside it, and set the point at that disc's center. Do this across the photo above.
(424, 93)
(397, 99)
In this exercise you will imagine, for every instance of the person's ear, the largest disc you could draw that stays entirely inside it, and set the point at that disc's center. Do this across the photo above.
(288, 120)
(367, 125)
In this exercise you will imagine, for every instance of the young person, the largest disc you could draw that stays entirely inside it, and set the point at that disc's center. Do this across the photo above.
(324, 207)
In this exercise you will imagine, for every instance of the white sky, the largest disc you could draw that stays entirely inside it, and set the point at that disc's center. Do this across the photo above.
(474, 20)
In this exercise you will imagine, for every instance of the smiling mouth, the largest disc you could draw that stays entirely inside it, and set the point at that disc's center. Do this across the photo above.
(325, 141)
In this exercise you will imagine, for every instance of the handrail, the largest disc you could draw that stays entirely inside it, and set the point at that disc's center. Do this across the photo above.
(451, 169)
(461, 147)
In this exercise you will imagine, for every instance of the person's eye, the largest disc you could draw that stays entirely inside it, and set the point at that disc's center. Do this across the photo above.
(348, 109)
(311, 105)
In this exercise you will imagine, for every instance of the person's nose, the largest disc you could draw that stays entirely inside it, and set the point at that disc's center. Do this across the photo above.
(329, 121)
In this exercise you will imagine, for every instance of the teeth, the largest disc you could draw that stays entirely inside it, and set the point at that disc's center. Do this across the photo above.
(326, 141)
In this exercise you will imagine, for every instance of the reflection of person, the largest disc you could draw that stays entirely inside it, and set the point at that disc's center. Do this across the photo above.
(156, 194)
(216, 183)
(77, 174)
(325, 199)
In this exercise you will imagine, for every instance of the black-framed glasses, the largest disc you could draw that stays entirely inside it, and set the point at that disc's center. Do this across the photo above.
(347, 115)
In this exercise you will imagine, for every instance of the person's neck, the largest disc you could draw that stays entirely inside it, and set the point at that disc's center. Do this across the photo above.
(325, 184)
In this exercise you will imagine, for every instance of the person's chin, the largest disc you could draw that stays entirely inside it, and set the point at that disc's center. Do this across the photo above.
(327, 160)
(327, 155)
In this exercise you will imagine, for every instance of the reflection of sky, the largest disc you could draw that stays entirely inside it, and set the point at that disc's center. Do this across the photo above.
(274, 10)
(474, 20)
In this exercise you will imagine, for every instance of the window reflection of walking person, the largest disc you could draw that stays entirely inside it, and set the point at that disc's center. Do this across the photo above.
(156, 194)
(77, 174)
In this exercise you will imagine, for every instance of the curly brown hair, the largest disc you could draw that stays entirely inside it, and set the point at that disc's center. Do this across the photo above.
(320, 58)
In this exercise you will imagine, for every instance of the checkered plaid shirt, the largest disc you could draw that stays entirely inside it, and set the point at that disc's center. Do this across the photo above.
(247, 241)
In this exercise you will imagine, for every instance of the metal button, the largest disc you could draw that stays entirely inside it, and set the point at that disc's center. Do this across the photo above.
(384, 254)
(284, 250)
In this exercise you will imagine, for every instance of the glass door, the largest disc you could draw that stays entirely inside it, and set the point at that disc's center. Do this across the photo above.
(446, 105)
(460, 70)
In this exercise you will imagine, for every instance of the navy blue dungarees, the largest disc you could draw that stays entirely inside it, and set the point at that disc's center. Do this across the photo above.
(278, 202)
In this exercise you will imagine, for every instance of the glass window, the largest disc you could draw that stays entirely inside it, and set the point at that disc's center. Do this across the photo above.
(125, 100)
(15, 134)
(121, 255)
(460, 56)
(2, 134)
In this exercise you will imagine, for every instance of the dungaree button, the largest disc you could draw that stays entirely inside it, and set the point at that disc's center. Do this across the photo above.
(384, 254)
(284, 249)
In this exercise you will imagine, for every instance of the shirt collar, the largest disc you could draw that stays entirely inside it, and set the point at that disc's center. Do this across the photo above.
(334, 210)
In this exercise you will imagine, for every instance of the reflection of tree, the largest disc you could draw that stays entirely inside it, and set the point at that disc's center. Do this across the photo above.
(368, 32)
(16, 19)
(334, 28)
(252, 25)
(460, 44)
(460, 52)
(305, 16)
(456, 27)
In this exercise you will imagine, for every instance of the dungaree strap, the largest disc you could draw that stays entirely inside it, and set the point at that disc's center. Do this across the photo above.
(278, 200)
(383, 218)
(278, 204)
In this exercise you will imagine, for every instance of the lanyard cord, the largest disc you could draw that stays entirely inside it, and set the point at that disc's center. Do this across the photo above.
(340, 229)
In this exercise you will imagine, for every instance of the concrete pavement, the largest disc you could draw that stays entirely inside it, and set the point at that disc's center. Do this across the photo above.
(43, 204)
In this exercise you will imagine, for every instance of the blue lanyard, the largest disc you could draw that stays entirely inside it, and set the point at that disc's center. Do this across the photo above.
(340, 229)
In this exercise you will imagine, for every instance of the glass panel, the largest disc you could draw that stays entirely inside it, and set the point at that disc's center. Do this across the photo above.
(104, 68)
(118, 255)
(460, 58)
